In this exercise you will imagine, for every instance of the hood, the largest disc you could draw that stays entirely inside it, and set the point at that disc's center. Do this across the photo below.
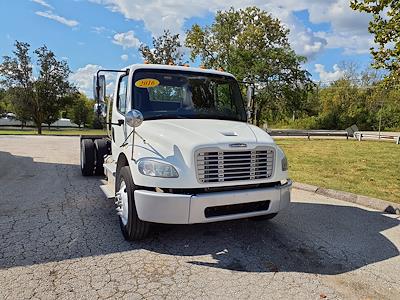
(175, 141)
(189, 134)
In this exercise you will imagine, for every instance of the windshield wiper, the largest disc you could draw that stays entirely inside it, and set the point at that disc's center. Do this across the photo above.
(218, 117)
(166, 116)
(193, 116)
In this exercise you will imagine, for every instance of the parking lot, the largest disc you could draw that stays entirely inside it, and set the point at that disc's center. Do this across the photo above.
(60, 238)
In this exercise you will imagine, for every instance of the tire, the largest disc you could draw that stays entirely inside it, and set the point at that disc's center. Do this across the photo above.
(101, 147)
(87, 157)
(132, 227)
(264, 217)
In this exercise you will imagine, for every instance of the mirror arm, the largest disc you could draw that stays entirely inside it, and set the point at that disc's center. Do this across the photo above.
(120, 123)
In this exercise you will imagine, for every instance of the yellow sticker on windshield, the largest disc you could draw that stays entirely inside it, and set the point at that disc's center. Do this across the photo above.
(147, 83)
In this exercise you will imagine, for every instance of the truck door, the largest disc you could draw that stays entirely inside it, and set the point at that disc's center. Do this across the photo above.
(118, 133)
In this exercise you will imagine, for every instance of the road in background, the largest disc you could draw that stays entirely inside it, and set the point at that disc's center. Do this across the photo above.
(60, 238)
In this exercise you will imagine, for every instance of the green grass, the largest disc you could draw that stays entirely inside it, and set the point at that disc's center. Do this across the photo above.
(366, 168)
(68, 131)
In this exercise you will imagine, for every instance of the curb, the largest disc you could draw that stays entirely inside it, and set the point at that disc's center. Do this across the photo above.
(378, 204)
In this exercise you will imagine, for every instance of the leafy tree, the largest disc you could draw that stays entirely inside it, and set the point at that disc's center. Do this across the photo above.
(40, 99)
(82, 110)
(3, 102)
(254, 46)
(386, 28)
(17, 77)
(167, 49)
(51, 87)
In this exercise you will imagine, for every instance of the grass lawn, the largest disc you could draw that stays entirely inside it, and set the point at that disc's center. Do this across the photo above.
(69, 131)
(367, 168)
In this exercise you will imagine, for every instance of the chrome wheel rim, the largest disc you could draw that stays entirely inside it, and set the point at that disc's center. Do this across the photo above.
(122, 203)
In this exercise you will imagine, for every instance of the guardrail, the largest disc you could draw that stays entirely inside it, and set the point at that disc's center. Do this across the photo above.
(378, 136)
(309, 133)
(359, 135)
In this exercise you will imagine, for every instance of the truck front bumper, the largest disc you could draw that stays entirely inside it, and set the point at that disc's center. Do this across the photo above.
(170, 208)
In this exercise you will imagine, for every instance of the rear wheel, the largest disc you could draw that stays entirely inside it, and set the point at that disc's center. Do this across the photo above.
(87, 157)
(132, 227)
(101, 151)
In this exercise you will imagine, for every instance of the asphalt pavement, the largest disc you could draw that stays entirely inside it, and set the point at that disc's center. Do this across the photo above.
(60, 239)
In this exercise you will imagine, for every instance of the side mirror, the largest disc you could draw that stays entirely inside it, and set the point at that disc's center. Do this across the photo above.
(250, 96)
(99, 88)
(134, 118)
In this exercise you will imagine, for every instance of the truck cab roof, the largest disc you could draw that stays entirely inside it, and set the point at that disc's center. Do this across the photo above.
(177, 68)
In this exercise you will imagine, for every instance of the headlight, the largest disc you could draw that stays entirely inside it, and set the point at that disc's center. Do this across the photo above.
(285, 164)
(157, 169)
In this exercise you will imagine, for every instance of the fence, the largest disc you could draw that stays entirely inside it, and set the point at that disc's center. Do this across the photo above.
(348, 133)
(309, 133)
(377, 136)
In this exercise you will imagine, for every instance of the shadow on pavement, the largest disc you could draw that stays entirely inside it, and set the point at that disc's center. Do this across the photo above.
(49, 213)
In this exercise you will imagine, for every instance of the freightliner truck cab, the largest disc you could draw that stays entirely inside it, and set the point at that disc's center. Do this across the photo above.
(179, 150)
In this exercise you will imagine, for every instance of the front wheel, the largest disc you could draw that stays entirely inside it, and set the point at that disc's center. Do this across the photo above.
(131, 226)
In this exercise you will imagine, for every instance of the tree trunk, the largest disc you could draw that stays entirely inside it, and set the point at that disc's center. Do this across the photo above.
(39, 129)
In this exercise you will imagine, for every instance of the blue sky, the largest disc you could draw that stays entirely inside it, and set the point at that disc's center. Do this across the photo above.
(93, 33)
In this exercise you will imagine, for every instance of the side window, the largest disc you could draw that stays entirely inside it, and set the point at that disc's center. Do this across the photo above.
(122, 94)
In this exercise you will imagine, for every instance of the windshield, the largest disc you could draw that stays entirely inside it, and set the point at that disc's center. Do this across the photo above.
(170, 94)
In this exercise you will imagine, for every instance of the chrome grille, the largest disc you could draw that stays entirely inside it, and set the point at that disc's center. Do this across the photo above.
(214, 165)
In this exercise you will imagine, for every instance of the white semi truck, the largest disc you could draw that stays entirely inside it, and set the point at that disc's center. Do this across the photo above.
(179, 150)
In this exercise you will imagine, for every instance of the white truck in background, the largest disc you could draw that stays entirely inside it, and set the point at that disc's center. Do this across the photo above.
(179, 150)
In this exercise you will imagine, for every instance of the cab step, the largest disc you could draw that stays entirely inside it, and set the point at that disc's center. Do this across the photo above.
(110, 168)
(108, 190)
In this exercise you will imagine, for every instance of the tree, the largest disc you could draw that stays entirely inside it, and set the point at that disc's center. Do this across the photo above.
(82, 110)
(3, 102)
(17, 77)
(386, 28)
(167, 49)
(51, 87)
(41, 98)
(253, 46)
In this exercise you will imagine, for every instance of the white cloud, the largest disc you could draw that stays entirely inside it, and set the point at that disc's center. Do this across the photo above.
(172, 14)
(83, 79)
(50, 15)
(351, 43)
(43, 3)
(326, 76)
(303, 40)
(124, 57)
(99, 29)
(126, 40)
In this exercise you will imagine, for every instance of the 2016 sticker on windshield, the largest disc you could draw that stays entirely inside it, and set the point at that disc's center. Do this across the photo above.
(147, 83)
